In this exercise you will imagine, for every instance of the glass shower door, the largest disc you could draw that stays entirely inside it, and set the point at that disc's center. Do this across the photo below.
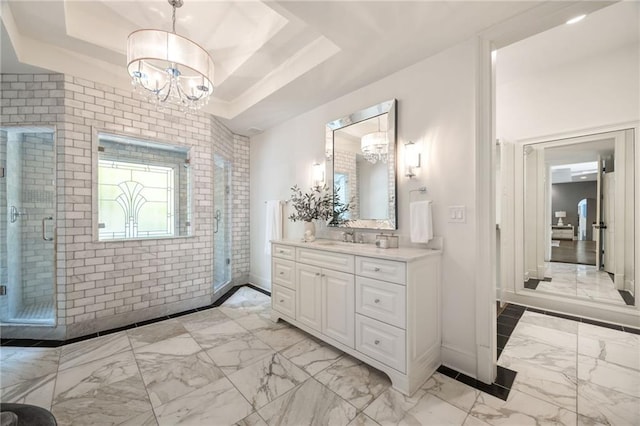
(221, 222)
(27, 209)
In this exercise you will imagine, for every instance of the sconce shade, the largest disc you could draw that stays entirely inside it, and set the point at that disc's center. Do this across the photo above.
(318, 174)
(411, 159)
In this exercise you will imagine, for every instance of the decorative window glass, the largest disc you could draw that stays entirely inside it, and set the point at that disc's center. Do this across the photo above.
(143, 189)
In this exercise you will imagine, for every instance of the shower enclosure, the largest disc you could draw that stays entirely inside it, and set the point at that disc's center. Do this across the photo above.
(221, 222)
(27, 225)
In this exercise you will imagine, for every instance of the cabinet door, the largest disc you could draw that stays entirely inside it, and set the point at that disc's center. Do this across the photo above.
(309, 295)
(338, 296)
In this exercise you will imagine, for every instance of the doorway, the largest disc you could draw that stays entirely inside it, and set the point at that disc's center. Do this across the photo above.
(27, 225)
(221, 222)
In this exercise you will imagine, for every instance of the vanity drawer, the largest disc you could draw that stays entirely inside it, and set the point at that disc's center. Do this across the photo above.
(387, 270)
(284, 252)
(382, 342)
(283, 300)
(326, 259)
(284, 272)
(381, 300)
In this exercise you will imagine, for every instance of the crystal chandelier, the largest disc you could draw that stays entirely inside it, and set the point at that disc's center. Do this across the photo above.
(375, 146)
(168, 68)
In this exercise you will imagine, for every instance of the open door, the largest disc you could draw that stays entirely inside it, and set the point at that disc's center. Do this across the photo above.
(607, 226)
(597, 228)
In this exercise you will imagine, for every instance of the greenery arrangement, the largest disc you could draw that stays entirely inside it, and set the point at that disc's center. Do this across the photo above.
(319, 203)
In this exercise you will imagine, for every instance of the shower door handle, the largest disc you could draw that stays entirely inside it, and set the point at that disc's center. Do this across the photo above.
(218, 216)
(44, 228)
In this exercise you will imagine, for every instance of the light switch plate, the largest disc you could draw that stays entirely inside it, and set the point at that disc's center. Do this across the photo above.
(457, 214)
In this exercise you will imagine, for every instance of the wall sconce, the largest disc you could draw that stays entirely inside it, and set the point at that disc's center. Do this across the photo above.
(411, 159)
(317, 174)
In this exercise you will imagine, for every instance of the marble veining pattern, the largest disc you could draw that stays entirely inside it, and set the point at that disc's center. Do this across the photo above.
(232, 365)
(354, 381)
(309, 403)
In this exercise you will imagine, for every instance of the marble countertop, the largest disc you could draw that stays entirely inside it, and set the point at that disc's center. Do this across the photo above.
(403, 254)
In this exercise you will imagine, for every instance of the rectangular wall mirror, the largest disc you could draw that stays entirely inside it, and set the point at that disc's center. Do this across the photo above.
(361, 166)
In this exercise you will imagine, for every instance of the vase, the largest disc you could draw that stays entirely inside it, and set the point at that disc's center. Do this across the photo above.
(309, 231)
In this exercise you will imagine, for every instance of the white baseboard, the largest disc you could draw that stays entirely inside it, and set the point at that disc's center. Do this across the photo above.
(459, 360)
(263, 283)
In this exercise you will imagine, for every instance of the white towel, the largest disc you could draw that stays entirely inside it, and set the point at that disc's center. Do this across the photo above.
(274, 224)
(421, 221)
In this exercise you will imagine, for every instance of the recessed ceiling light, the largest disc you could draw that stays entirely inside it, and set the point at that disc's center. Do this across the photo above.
(576, 19)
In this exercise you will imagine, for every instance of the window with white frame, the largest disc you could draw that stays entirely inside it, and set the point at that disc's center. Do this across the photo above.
(143, 189)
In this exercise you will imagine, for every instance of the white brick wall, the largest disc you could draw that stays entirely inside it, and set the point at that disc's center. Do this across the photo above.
(102, 285)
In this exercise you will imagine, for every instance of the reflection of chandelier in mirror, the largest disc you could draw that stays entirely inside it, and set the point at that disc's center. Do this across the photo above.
(375, 145)
(168, 68)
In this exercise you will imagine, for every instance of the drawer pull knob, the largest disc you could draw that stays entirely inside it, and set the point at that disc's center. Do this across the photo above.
(376, 269)
(281, 272)
(377, 342)
(376, 301)
(281, 300)
(317, 274)
(280, 251)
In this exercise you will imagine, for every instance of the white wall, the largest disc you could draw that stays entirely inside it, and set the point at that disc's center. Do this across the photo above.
(436, 109)
(596, 91)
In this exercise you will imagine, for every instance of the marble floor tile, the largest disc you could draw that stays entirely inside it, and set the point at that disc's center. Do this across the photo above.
(267, 379)
(423, 408)
(38, 391)
(548, 385)
(520, 409)
(356, 382)
(281, 338)
(616, 347)
(547, 321)
(147, 418)
(155, 332)
(105, 391)
(363, 420)
(218, 334)
(550, 336)
(308, 404)
(239, 353)
(93, 349)
(20, 364)
(246, 296)
(203, 319)
(219, 403)
(312, 355)
(609, 376)
(261, 321)
(252, 420)
(606, 406)
(174, 367)
(473, 421)
(452, 391)
(540, 354)
(237, 312)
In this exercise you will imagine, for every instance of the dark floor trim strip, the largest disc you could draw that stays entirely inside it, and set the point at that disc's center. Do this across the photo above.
(56, 343)
(627, 297)
(500, 388)
(508, 313)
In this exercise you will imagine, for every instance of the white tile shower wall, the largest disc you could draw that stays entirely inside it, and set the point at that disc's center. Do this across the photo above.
(345, 162)
(101, 285)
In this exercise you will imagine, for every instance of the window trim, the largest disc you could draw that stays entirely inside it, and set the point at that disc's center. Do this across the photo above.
(159, 143)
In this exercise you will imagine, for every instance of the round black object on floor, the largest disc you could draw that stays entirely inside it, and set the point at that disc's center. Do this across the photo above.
(26, 415)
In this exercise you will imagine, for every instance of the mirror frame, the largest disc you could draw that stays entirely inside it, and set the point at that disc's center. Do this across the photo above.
(386, 107)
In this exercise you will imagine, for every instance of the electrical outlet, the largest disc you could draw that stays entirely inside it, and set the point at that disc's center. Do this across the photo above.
(457, 214)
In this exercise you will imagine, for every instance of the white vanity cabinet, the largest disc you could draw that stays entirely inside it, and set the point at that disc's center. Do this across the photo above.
(380, 306)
